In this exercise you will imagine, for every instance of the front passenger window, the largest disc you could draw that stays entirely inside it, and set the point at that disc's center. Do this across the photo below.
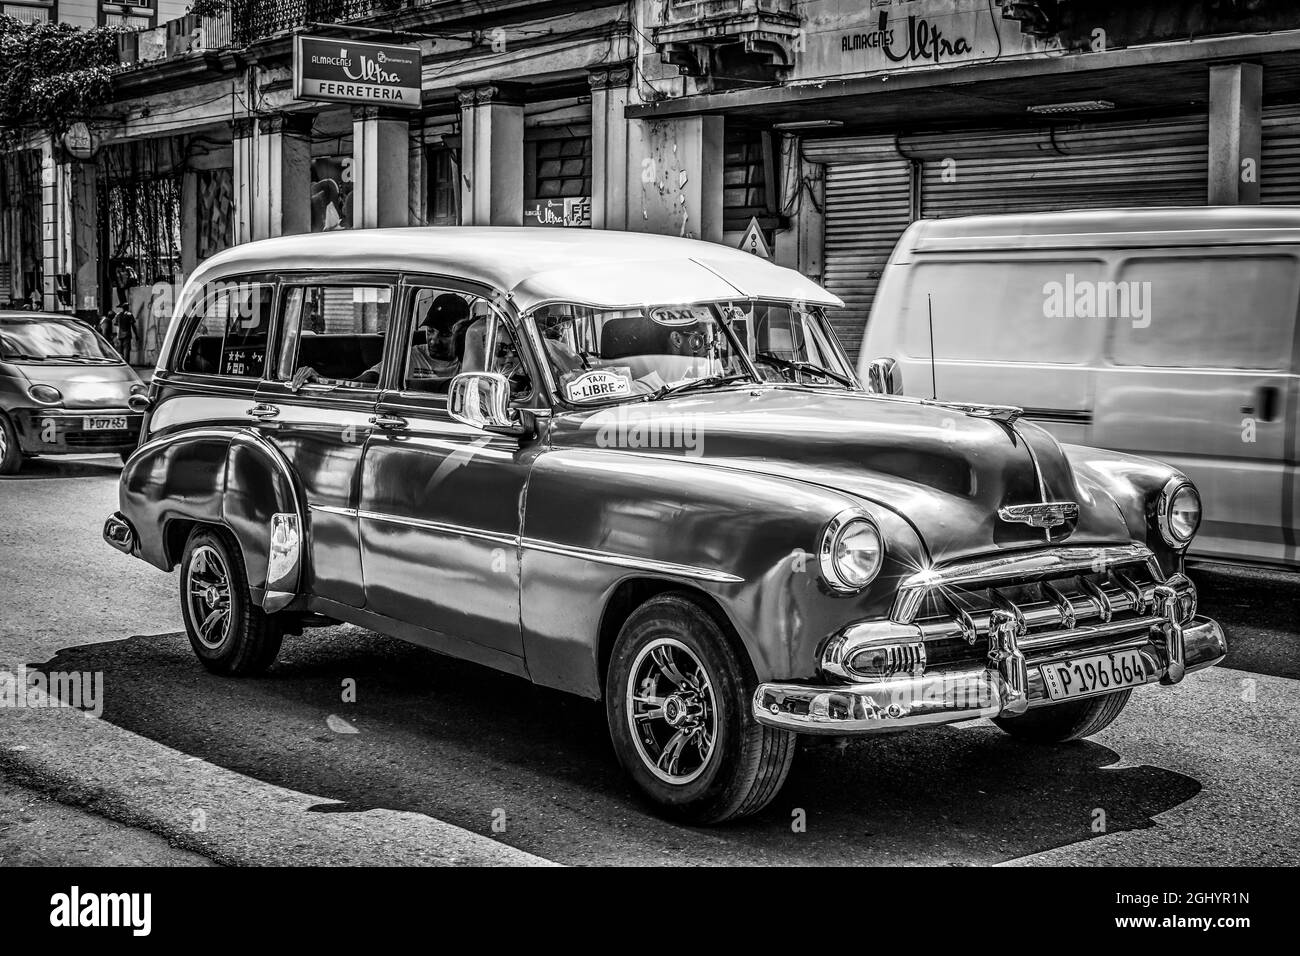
(333, 335)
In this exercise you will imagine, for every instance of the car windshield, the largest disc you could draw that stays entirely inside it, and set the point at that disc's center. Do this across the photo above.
(52, 340)
(604, 355)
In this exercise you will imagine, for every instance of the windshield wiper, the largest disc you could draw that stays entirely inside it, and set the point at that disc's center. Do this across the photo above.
(696, 383)
(21, 357)
(810, 368)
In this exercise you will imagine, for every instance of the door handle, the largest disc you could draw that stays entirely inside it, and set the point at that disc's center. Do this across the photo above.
(264, 411)
(1265, 403)
(389, 423)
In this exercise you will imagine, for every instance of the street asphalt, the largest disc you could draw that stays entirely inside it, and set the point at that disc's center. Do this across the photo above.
(441, 762)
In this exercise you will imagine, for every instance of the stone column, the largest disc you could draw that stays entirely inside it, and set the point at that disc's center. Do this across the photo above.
(492, 155)
(282, 197)
(244, 174)
(1236, 93)
(381, 145)
(609, 147)
(675, 177)
(56, 225)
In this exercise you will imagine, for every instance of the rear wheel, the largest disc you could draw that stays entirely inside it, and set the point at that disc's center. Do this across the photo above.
(11, 455)
(677, 699)
(229, 633)
(1072, 720)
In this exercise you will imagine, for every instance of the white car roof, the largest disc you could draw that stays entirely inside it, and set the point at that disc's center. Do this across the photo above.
(535, 265)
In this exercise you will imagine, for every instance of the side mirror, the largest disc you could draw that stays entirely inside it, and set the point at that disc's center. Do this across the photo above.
(482, 399)
(139, 402)
(884, 377)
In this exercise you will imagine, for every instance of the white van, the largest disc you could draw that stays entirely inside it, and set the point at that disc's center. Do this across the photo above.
(1169, 333)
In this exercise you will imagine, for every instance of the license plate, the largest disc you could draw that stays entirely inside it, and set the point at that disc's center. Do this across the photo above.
(105, 423)
(1093, 675)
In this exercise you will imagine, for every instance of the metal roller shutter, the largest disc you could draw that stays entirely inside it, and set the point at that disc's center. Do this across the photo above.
(868, 206)
(1087, 167)
(1279, 182)
(869, 197)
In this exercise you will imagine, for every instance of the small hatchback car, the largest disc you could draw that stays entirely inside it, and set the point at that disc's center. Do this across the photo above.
(63, 390)
(640, 468)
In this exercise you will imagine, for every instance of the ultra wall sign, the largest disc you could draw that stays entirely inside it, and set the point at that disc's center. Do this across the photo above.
(347, 71)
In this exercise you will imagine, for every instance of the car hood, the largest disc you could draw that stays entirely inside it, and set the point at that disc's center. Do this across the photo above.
(84, 386)
(945, 472)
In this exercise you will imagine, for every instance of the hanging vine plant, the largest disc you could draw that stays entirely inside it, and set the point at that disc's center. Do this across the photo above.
(54, 74)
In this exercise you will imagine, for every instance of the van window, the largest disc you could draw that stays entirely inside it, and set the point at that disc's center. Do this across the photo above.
(333, 334)
(1021, 310)
(227, 328)
(1235, 311)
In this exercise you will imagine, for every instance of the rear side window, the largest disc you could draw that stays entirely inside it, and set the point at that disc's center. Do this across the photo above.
(333, 334)
(1021, 310)
(227, 329)
(1219, 311)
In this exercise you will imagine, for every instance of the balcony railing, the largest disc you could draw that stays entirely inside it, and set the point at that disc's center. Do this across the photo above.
(173, 39)
(256, 19)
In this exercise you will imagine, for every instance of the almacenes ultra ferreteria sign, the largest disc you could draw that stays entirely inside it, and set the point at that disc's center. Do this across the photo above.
(346, 71)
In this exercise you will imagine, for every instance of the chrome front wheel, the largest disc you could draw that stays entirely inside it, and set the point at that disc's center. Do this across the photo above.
(671, 712)
(677, 699)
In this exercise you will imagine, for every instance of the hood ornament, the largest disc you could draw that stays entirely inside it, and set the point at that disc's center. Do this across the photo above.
(1007, 414)
(1049, 514)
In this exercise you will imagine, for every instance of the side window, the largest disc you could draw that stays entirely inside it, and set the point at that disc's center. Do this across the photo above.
(1011, 310)
(1223, 311)
(227, 328)
(453, 332)
(333, 334)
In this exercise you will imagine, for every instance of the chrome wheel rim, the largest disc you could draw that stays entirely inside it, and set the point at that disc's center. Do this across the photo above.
(671, 711)
(207, 591)
(4, 443)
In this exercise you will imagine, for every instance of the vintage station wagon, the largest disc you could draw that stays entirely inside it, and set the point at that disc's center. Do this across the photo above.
(640, 468)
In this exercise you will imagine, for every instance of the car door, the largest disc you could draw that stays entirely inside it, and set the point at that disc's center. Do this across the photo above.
(1201, 378)
(316, 406)
(440, 502)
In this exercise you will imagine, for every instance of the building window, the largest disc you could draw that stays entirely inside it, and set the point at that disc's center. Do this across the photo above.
(139, 15)
(30, 11)
(559, 165)
(749, 179)
(557, 176)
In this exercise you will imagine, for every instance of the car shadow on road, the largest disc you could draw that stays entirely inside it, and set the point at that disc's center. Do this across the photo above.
(470, 746)
(34, 469)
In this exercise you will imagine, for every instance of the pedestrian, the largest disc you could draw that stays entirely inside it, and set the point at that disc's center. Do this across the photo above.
(125, 328)
(107, 327)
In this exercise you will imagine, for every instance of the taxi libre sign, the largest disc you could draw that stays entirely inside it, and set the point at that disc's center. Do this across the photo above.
(346, 71)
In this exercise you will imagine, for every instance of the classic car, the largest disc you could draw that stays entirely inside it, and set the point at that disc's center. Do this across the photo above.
(63, 390)
(640, 468)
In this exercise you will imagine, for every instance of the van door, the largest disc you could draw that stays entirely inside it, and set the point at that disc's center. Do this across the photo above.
(1201, 377)
(441, 502)
(1006, 329)
(316, 407)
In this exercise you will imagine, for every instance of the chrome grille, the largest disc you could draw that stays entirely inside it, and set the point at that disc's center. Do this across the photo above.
(1054, 611)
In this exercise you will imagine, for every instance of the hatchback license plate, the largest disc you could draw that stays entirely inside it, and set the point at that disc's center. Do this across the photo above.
(1091, 675)
(105, 423)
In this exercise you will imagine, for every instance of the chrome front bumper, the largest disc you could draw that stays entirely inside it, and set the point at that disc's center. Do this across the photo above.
(947, 696)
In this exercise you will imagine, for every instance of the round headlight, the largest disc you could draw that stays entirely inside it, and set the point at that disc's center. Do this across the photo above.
(852, 551)
(45, 394)
(1179, 512)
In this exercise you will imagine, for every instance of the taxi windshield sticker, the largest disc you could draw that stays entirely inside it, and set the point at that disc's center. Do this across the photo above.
(599, 383)
(683, 315)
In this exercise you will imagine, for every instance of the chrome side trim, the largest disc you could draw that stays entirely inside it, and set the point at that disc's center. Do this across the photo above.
(1049, 562)
(334, 510)
(496, 537)
(639, 564)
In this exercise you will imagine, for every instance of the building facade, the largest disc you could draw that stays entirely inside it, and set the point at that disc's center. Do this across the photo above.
(812, 130)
